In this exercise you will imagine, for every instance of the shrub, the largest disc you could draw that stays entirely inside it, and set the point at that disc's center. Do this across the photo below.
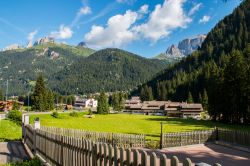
(90, 112)
(152, 144)
(74, 114)
(15, 116)
(55, 114)
(32, 162)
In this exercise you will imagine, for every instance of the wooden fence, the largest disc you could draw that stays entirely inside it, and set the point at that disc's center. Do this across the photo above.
(200, 137)
(63, 150)
(187, 138)
(234, 137)
(115, 139)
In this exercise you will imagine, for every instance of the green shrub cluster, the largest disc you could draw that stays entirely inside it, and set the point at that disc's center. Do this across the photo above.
(55, 114)
(15, 116)
(32, 162)
(74, 114)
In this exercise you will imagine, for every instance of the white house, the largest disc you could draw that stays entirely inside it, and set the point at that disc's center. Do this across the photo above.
(85, 103)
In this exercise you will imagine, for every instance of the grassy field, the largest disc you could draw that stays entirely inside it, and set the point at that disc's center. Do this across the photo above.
(130, 124)
(9, 131)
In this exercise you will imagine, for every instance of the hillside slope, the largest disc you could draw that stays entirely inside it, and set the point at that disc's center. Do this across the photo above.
(106, 70)
(216, 70)
(21, 67)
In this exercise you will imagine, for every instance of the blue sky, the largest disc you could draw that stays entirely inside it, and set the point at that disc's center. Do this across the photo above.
(144, 27)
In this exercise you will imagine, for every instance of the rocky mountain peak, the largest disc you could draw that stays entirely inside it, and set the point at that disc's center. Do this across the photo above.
(82, 44)
(44, 40)
(187, 46)
(12, 47)
(173, 51)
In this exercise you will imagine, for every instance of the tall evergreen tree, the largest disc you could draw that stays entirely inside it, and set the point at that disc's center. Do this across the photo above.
(50, 103)
(204, 100)
(190, 98)
(39, 95)
(103, 107)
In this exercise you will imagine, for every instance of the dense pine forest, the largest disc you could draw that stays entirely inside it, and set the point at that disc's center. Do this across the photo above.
(74, 70)
(106, 70)
(218, 74)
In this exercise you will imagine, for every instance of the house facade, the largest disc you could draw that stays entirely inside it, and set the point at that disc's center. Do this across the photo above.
(8, 105)
(85, 103)
(168, 108)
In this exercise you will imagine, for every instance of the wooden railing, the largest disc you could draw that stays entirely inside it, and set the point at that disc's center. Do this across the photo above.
(234, 137)
(62, 150)
(115, 139)
(188, 138)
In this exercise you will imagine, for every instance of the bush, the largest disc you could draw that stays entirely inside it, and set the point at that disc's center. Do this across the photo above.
(32, 162)
(55, 114)
(74, 114)
(90, 112)
(15, 116)
(152, 144)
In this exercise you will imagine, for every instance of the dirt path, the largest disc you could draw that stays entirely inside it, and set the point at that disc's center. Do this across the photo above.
(12, 152)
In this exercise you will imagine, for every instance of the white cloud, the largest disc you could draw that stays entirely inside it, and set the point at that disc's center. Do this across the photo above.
(31, 35)
(204, 19)
(64, 33)
(144, 9)
(116, 34)
(194, 9)
(163, 20)
(85, 10)
(129, 2)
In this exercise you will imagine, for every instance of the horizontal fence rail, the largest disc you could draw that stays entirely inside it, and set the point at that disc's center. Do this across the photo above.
(187, 138)
(234, 137)
(115, 139)
(62, 150)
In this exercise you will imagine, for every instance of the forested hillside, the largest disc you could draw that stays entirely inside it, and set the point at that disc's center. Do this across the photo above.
(21, 67)
(218, 74)
(105, 70)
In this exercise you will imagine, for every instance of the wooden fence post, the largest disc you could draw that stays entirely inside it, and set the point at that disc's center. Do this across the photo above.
(174, 161)
(111, 154)
(62, 146)
(153, 158)
(163, 160)
(144, 158)
(116, 155)
(128, 157)
(105, 154)
(34, 141)
(136, 157)
(187, 162)
(100, 154)
(122, 157)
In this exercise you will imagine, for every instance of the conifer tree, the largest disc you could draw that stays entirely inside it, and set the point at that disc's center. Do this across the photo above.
(50, 100)
(39, 95)
(102, 107)
(190, 98)
(205, 100)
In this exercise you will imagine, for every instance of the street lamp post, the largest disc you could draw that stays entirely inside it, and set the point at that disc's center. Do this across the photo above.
(161, 136)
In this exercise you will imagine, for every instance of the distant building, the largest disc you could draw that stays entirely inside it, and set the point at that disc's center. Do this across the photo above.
(85, 103)
(8, 105)
(169, 108)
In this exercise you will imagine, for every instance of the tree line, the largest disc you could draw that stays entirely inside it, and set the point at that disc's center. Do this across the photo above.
(216, 75)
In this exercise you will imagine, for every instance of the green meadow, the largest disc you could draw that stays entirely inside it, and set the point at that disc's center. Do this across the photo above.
(9, 131)
(131, 124)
